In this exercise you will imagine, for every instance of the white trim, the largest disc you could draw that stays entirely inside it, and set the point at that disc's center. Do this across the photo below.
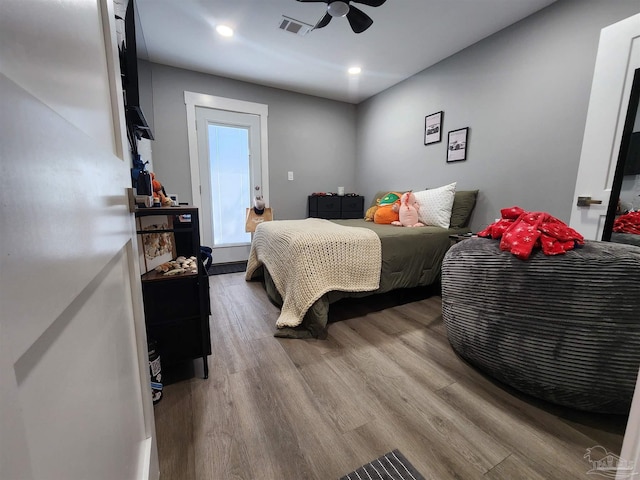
(107, 15)
(144, 470)
(193, 100)
(631, 443)
(148, 462)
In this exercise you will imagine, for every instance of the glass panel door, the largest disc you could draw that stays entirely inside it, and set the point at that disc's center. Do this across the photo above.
(230, 169)
(230, 188)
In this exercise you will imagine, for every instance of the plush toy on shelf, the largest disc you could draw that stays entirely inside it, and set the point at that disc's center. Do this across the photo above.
(408, 211)
(158, 192)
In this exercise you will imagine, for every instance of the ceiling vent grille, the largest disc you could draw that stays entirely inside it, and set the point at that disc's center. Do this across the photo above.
(292, 25)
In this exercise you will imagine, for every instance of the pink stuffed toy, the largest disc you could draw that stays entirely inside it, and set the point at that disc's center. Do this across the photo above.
(408, 211)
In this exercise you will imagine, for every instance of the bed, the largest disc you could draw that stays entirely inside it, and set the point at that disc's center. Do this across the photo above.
(406, 258)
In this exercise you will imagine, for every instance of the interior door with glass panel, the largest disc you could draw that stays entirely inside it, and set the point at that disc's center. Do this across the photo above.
(230, 170)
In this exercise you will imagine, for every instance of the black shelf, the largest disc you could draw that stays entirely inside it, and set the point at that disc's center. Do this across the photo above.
(177, 307)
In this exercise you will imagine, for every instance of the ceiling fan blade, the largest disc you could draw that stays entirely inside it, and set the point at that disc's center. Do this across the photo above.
(358, 20)
(371, 3)
(324, 22)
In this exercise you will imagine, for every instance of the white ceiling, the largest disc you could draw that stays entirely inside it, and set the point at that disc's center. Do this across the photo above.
(406, 37)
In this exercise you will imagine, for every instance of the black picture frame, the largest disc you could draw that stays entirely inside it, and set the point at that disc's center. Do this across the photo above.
(433, 128)
(457, 145)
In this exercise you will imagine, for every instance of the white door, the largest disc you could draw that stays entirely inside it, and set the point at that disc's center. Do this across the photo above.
(618, 58)
(74, 382)
(230, 176)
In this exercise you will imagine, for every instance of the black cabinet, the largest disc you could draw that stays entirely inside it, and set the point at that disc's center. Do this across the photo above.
(176, 307)
(334, 207)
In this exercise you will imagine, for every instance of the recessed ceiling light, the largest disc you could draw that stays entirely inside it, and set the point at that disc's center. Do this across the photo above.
(354, 70)
(224, 30)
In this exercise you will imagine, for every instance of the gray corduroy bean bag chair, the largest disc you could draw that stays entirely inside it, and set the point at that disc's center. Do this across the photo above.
(563, 328)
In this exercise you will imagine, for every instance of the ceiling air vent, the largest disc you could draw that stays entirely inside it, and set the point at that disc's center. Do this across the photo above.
(292, 25)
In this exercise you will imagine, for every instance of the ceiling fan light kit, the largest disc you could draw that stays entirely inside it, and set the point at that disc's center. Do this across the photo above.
(358, 20)
(338, 9)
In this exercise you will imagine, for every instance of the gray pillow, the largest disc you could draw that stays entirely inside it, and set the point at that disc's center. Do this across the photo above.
(463, 205)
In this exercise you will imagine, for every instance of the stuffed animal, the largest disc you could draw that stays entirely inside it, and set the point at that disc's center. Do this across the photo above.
(408, 211)
(387, 211)
(158, 192)
(371, 211)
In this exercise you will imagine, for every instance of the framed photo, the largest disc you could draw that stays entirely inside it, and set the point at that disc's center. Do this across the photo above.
(433, 128)
(457, 145)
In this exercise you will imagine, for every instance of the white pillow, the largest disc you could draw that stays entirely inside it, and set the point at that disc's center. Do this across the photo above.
(435, 205)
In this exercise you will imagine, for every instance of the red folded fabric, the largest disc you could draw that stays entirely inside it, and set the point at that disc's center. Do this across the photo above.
(627, 223)
(520, 232)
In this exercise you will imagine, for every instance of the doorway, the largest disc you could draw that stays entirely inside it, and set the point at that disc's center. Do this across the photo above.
(230, 169)
(228, 159)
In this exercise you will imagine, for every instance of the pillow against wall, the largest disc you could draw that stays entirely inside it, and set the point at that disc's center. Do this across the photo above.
(436, 205)
(464, 202)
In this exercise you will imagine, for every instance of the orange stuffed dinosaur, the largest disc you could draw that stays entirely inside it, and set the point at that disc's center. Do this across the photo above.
(387, 211)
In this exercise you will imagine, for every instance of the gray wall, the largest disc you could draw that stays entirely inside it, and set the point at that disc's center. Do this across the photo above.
(524, 94)
(313, 137)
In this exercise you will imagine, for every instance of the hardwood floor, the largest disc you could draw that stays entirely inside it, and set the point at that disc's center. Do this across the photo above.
(385, 378)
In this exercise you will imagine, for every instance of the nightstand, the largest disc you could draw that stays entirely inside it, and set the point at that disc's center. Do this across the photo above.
(334, 206)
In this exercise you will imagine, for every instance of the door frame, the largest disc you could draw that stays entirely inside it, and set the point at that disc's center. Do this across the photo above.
(617, 58)
(610, 93)
(250, 125)
(193, 100)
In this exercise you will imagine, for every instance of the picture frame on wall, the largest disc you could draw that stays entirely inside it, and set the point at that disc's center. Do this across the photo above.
(433, 128)
(457, 145)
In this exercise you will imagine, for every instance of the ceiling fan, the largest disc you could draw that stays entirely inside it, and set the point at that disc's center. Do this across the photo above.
(358, 20)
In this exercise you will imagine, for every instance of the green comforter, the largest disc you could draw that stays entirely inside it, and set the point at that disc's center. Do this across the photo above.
(411, 257)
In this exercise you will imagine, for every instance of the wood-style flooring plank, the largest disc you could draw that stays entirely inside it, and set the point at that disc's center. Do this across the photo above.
(433, 459)
(515, 468)
(400, 394)
(220, 451)
(340, 392)
(174, 432)
(385, 378)
(270, 441)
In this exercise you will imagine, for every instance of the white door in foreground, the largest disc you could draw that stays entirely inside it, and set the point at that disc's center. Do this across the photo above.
(75, 401)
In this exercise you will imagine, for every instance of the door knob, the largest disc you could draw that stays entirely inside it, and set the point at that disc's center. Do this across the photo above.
(587, 202)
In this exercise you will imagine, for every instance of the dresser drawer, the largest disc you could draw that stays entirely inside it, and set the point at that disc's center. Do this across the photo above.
(353, 205)
(335, 207)
(324, 207)
(329, 204)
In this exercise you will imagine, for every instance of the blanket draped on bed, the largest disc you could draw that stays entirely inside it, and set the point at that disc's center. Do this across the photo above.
(308, 258)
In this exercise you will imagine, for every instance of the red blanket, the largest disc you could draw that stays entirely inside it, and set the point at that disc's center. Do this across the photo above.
(521, 231)
(628, 223)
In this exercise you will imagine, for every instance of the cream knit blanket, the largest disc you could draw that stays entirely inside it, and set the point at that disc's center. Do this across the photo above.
(308, 258)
